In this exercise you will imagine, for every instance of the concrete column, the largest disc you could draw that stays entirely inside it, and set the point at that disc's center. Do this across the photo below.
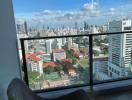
(9, 66)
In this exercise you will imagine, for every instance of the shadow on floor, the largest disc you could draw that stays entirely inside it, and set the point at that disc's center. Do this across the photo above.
(124, 93)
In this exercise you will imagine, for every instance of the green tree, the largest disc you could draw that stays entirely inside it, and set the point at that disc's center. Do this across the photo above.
(46, 71)
(96, 53)
(32, 76)
(74, 60)
(105, 51)
(58, 68)
(50, 69)
(70, 54)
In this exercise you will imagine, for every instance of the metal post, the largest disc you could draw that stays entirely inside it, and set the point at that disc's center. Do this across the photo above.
(24, 62)
(91, 61)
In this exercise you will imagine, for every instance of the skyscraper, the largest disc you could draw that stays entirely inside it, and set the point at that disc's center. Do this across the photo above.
(85, 25)
(120, 49)
(25, 27)
(48, 46)
(76, 25)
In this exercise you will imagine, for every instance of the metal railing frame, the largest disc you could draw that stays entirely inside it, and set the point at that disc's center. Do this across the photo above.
(91, 82)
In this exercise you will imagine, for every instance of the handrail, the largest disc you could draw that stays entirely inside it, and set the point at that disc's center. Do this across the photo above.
(66, 36)
(91, 83)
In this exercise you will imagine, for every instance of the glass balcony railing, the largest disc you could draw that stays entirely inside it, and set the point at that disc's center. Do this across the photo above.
(112, 57)
(76, 60)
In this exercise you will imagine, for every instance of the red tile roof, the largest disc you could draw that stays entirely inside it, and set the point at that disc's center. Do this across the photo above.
(77, 54)
(50, 64)
(71, 68)
(39, 53)
(68, 60)
(32, 57)
(27, 55)
(74, 49)
(57, 50)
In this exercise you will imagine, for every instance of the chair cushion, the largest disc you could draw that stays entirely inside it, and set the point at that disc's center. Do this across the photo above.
(17, 90)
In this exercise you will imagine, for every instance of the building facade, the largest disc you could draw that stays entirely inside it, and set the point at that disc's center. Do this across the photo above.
(120, 49)
(100, 66)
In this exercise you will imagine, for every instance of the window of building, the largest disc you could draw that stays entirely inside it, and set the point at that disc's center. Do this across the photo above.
(128, 28)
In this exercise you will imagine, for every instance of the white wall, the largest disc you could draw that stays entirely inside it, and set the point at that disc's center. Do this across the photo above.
(9, 67)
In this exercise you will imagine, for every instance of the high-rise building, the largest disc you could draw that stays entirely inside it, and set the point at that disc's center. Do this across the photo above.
(85, 25)
(120, 49)
(48, 46)
(76, 25)
(100, 73)
(59, 43)
(25, 27)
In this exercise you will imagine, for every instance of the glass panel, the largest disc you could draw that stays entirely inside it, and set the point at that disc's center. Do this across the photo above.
(112, 57)
(57, 62)
(100, 58)
(45, 18)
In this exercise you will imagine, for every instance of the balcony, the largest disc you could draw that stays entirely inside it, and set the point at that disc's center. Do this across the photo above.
(64, 62)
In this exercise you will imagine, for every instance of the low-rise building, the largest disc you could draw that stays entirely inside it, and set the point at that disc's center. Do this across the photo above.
(34, 63)
(50, 64)
(58, 54)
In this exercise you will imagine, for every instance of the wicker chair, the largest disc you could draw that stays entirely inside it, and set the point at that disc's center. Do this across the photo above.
(17, 90)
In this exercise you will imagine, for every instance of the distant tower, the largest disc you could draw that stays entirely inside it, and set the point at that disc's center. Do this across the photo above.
(76, 25)
(63, 26)
(43, 27)
(85, 25)
(48, 46)
(48, 27)
(70, 43)
(25, 27)
(18, 27)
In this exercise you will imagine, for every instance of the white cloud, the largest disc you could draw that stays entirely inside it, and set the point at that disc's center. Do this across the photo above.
(48, 12)
(95, 13)
(92, 9)
(110, 12)
(19, 20)
(90, 12)
(88, 7)
(74, 14)
(112, 9)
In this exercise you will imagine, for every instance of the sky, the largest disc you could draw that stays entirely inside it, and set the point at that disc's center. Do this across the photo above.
(67, 12)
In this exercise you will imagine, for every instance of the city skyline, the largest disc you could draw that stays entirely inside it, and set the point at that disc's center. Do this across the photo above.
(56, 13)
(61, 62)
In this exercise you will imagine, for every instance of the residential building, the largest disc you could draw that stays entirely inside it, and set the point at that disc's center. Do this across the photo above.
(59, 43)
(58, 54)
(46, 57)
(50, 64)
(48, 46)
(100, 68)
(120, 49)
(34, 63)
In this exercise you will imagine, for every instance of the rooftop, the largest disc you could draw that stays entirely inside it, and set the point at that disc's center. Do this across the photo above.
(58, 50)
(33, 57)
(50, 64)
